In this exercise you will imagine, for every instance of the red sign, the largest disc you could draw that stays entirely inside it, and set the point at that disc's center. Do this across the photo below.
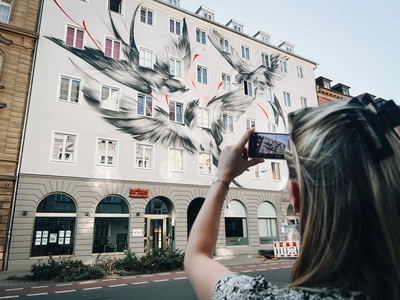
(138, 193)
(155, 230)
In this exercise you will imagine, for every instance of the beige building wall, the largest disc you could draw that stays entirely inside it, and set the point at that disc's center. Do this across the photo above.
(17, 42)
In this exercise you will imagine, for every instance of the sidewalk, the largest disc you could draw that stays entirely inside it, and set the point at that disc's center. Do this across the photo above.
(228, 261)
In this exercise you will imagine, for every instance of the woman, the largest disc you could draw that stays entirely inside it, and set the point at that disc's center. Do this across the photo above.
(344, 167)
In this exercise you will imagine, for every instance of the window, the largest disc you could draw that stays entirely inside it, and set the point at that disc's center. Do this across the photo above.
(300, 72)
(74, 37)
(203, 117)
(267, 223)
(106, 152)
(265, 39)
(145, 106)
(202, 74)
(204, 163)
(224, 44)
(201, 36)
(115, 6)
(112, 48)
(303, 102)
(146, 58)
(176, 111)
(269, 94)
(146, 16)
(227, 122)
(271, 127)
(175, 157)
(255, 172)
(175, 67)
(286, 99)
(5, 7)
(248, 88)
(175, 26)
(144, 156)
(174, 2)
(69, 89)
(111, 225)
(238, 28)
(283, 66)
(276, 171)
(109, 97)
(265, 60)
(245, 52)
(226, 81)
(236, 224)
(250, 123)
(54, 228)
(64, 147)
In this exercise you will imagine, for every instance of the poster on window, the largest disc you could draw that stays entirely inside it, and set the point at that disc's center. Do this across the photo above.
(53, 238)
(45, 234)
(44, 241)
(38, 241)
(38, 234)
(68, 233)
(60, 240)
(61, 233)
(137, 232)
(67, 241)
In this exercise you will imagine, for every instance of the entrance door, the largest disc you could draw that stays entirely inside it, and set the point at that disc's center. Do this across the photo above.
(157, 232)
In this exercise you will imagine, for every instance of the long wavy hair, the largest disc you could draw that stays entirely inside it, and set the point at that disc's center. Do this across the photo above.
(349, 203)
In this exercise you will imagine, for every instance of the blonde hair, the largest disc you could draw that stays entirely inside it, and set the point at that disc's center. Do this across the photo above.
(349, 204)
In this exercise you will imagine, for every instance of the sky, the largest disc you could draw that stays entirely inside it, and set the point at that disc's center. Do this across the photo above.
(354, 42)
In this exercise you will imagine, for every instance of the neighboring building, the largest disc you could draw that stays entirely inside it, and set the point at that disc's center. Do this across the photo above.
(125, 130)
(18, 27)
(327, 93)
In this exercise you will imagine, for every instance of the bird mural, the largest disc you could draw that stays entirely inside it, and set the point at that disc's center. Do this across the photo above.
(159, 83)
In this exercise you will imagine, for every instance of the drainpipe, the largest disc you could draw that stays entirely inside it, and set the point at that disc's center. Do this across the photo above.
(12, 213)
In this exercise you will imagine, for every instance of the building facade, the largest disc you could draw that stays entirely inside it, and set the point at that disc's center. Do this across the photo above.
(131, 104)
(18, 34)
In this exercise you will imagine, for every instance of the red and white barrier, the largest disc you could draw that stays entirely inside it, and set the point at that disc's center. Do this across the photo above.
(286, 249)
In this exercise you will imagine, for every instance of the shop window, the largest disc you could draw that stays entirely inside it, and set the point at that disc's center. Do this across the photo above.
(54, 228)
(236, 224)
(267, 223)
(111, 225)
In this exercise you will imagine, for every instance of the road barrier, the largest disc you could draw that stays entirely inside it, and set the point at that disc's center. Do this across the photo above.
(286, 249)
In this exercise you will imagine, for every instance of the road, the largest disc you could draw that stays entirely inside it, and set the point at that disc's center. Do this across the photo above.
(163, 286)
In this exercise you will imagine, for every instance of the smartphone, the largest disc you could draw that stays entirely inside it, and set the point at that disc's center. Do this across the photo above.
(267, 145)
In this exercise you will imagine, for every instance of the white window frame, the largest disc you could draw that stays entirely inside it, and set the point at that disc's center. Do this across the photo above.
(175, 119)
(269, 94)
(147, 19)
(228, 122)
(5, 17)
(271, 127)
(143, 159)
(69, 92)
(74, 42)
(173, 160)
(303, 102)
(255, 172)
(245, 52)
(112, 49)
(146, 107)
(248, 88)
(203, 117)
(201, 36)
(283, 66)
(202, 163)
(276, 171)
(174, 70)
(250, 123)
(200, 77)
(113, 99)
(225, 45)
(173, 26)
(146, 58)
(63, 149)
(266, 59)
(287, 99)
(107, 153)
(300, 72)
(226, 81)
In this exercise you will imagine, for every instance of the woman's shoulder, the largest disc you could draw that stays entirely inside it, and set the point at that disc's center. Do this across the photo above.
(237, 286)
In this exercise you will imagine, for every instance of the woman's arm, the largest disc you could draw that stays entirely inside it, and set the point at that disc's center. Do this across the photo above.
(202, 271)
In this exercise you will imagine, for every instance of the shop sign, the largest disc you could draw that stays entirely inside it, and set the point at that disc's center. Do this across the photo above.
(138, 193)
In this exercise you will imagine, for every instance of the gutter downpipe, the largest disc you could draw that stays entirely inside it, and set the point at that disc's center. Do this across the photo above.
(14, 198)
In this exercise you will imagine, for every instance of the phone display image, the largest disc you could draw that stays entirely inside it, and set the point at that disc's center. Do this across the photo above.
(267, 145)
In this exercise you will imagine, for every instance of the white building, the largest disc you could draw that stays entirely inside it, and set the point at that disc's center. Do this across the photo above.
(130, 106)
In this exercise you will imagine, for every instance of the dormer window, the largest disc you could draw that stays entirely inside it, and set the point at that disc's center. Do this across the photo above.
(236, 25)
(287, 47)
(263, 36)
(173, 2)
(206, 13)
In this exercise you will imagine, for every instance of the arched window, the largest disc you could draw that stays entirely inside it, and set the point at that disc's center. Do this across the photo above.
(267, 223)
(111, 225)
(54, 228)
(236, 224)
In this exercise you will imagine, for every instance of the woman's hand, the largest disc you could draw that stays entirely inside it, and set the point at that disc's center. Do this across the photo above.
(234, 159)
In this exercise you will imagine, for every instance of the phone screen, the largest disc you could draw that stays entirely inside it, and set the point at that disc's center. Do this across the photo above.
(267, 145)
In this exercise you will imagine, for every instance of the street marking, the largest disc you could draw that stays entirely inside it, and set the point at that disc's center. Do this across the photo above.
(110, 279)
(87, 282)
(64, 284)
(179, 278)
(117, 285)
(161, 280)
(39, 294)
(66, 291)
(140, 282)
(40, 287)
(93, 288)
(8, 297)
(16, 289)
(149, 275)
